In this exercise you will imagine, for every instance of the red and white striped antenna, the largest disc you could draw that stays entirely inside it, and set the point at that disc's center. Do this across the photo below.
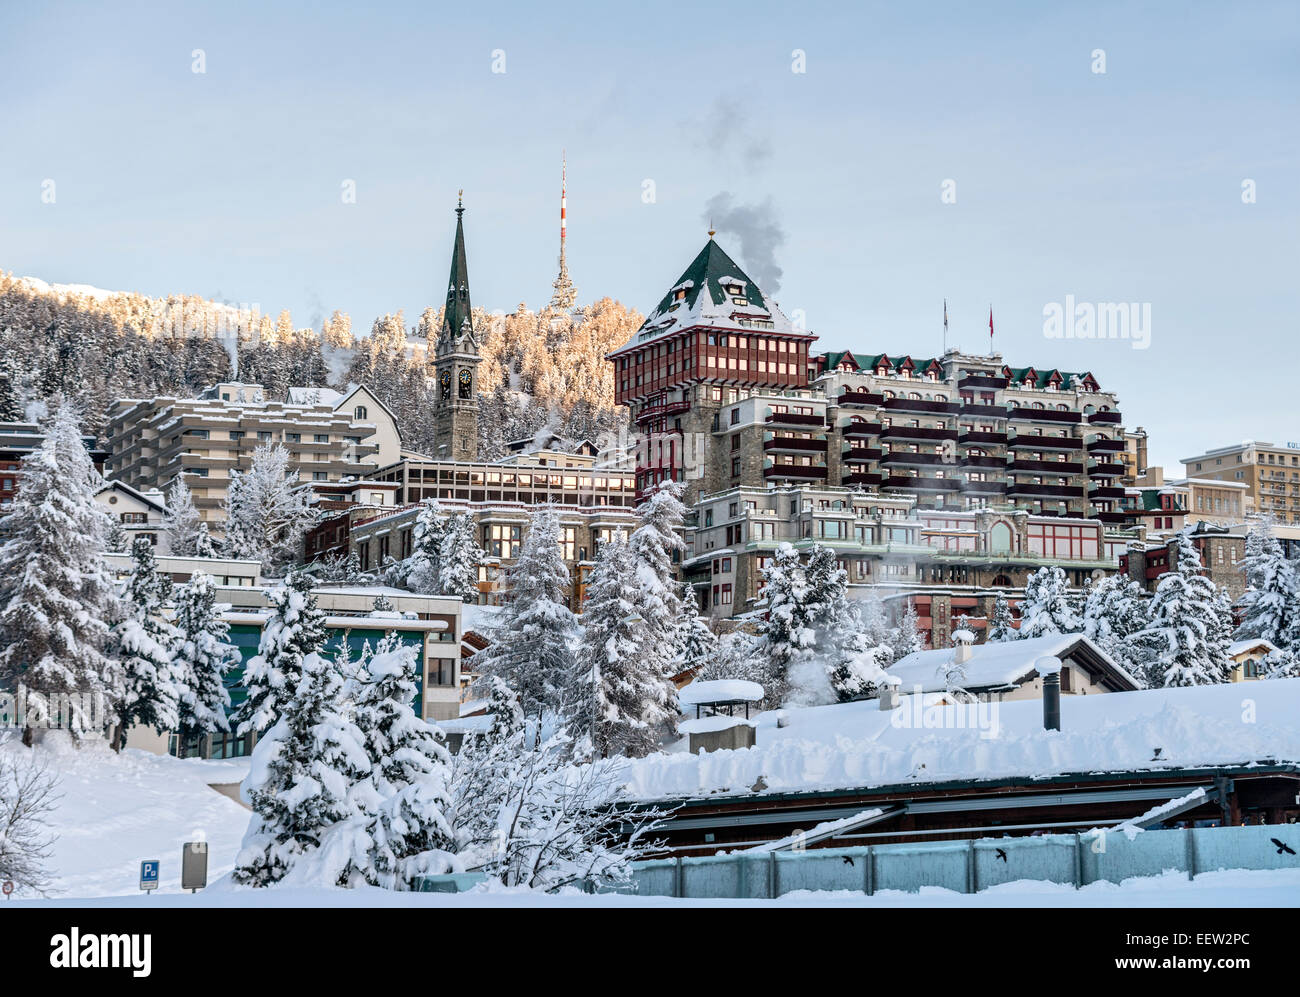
(564, 201)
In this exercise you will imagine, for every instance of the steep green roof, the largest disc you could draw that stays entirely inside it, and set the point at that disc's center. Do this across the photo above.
(707, 269)
(458, 318)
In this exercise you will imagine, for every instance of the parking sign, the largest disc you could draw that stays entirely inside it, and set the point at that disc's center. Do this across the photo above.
(149, 874)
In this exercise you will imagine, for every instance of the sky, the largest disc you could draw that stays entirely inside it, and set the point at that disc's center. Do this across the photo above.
(863, 162)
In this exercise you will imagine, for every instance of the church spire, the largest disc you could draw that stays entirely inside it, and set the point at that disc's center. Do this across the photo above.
(565, 293)
(457, 316)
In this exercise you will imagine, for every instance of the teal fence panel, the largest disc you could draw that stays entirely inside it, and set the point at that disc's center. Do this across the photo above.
(1257, 846)
(1052, 858)
(928, 863)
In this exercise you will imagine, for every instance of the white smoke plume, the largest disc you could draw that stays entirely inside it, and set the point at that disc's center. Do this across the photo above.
(760, 235)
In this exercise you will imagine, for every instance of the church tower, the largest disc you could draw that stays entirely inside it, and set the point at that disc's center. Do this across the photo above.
(455, 362)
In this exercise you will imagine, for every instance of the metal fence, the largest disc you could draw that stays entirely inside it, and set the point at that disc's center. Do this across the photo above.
(970, 866)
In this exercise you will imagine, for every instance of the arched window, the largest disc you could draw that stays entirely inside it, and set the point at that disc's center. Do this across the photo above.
(1002, 581)
(360, 412)
(1000, 539)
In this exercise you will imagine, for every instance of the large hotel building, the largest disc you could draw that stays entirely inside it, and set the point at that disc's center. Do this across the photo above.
(939, 479)
(1267, 476)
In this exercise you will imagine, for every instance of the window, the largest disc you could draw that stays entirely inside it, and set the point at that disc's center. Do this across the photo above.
(360, 413)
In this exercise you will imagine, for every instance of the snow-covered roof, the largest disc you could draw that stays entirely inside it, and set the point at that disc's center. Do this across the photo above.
(993, 666)
(313, 396)
(859, 746)
(709, 725)
(720, 691)
(1246, 646)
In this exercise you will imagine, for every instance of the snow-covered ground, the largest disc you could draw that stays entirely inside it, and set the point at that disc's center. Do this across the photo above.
(118, 810)
(1214, 889)
(856, 745)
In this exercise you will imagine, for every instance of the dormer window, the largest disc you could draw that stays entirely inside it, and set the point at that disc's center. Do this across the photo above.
(680, 295)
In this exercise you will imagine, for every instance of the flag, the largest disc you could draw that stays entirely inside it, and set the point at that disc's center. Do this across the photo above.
(945, 314)
(990, 328)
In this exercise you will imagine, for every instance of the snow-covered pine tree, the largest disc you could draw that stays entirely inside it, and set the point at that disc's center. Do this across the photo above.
(1001, 627)
(654, 545)
(203, 658)
(410, 772)
(1115, 609)
(1185, 639)
(294, 632)
(423, 569)
(56, 592)
(181, 524)
(145, 644)
(697, 643)
(622, 710)
(204, 545)
(459, 558)
(532, 639)
(787, 637)
(302, 782)
(1270, 609)
(1048, 609)
(118, 541)
(268, 511)
(907, 637)
(382, 604)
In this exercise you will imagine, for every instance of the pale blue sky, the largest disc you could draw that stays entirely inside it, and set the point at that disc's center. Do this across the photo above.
(1117, 187)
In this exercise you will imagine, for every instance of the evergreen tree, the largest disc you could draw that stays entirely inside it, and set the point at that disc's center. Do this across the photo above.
(459, 558)
(532, 641)
(118, 542)
(1000, 629)
(409, 831)
(294, 632)
(423, 569)
(56, 592)
(204, 656)
(382, 604)
(697, 642)
(623, 710)
(301, 782)
(1048, 609)
(907, 638)
(1186, 637)
(267, 511)
(787, 637)
(1269, 606)
(203, 543)
(1114, 610)
(181, 524)
(152, 687)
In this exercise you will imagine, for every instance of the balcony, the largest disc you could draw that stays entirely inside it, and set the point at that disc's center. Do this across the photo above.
(849, 397)
(1106, 418)
(1044, 491)
(985, 487)
(1050, 466)
(1023, 414)
(1109, 492)
(1032, 441)
(858, 455)
(1101, 445)
(795, 472)
(861, 430)
(1112, 517)
(867, 479)
(985, 381)
(796, 419)
(998, 463)
(904, 458)
(917, 433)
(972, 437)
(660, 411)
(1104, 469)
(984, 411)
(923, 483)
(921, 405)
(793, 444)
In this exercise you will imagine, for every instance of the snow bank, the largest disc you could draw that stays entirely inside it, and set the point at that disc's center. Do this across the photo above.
(856, 745)
(117, 810)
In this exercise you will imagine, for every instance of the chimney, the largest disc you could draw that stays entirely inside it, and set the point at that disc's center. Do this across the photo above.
(888, 697)
(1049, 667)
(962, 640)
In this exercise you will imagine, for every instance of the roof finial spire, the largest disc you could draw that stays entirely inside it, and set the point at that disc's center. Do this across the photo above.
(712, 230)
(460, 200)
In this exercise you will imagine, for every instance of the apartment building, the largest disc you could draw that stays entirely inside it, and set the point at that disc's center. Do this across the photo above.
(943, 562)
(205, 438)
(1222, 550)
(1270, 473)
(1213, 501)
(17, 440)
